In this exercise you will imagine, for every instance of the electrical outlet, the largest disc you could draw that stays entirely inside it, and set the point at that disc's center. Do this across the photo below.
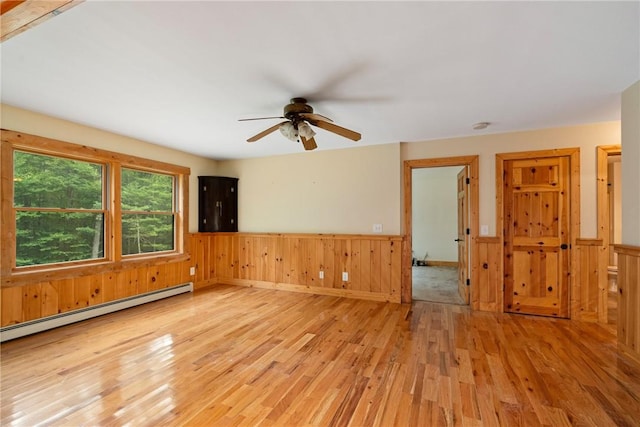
(345, 276)
(377, 228)
(321, 274)
(192, 271)
(484, 230)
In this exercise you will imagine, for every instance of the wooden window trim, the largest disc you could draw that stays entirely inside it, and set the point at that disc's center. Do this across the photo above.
(113, 259)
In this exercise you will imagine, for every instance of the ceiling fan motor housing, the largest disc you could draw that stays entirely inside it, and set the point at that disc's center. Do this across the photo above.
(297, 106)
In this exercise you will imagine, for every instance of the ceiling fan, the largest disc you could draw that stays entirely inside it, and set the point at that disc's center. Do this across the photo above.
(299, 115)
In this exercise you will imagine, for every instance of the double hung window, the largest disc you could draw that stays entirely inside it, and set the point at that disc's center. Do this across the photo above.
(68, 205)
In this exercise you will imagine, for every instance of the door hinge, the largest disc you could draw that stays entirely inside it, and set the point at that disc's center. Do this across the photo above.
(468, 231)
(468, 180)
(468, 282)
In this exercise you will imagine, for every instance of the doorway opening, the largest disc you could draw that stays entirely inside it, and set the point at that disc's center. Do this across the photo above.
(431, 265)
(609, 160)
(435, 244)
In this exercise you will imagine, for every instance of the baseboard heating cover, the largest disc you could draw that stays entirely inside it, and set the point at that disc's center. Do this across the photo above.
(50, 322)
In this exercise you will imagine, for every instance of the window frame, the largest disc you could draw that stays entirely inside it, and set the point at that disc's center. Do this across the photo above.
(112, 163)
(15, 210)
(174, 212)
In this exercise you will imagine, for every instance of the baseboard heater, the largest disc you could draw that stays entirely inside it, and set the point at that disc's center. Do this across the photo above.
(50, 322)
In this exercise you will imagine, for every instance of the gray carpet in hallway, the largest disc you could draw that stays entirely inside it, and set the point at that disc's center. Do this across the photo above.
(436, 284)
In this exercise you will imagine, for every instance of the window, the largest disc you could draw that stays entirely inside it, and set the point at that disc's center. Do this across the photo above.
(59, 209)
(71, 207)
(147, 212)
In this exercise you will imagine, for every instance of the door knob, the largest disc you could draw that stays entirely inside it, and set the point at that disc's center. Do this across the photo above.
(458, 240)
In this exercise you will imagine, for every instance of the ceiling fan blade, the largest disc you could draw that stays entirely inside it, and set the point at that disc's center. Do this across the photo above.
(265, 132)
(309, 144)
(354, 136)
(261, 118)
(314, 116)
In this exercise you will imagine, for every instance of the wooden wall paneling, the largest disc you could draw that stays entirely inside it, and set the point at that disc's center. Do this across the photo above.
(278, 259)
(346, 261)
(82, 291)
(629, 300)
(251, 258)
(173, 274)
(328, 262)
(385, 264)
(288, 269)
(226, 261)
(339, 247)
(46, 298)
(586, 303)
(109, 289)
(49, 297)
(157, 277)
(365, 265)
(31, 304)
(268, 263)
(319, 263)
(95, 287)
(11, 306)
(487, 294)
(301, 260)
(395, 281)
(355, 276)
(311, 267)
(376, 266)
(202, 257)
(293, 262)
(66, 297)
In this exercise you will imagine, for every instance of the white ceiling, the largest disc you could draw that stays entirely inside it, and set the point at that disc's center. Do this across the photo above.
(181, 74)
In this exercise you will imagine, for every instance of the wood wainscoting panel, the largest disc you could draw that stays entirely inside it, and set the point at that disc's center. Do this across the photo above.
(487, 294)
(629, 299)
(43, 298)
(588, 297)
(295, 261)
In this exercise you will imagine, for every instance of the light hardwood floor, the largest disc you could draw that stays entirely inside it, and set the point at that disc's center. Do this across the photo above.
(241, 356)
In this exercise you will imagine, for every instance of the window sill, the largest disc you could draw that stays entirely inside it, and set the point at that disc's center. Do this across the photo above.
(36, 275)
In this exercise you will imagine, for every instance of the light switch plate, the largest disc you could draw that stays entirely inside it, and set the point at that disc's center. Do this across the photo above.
(484, 230)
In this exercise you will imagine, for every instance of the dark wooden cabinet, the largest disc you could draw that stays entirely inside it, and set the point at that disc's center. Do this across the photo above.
(217, 204)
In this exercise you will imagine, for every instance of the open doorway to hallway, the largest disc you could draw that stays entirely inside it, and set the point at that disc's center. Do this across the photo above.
(437, 218)
(614, 196)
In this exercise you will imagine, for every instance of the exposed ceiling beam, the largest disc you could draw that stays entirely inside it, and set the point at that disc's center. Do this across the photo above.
(18, 16)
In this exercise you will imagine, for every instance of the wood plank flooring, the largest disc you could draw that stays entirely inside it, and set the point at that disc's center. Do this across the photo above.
(242, 356)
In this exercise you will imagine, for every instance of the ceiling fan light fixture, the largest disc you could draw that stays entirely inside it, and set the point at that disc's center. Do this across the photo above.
(305, 130)
(289, 131)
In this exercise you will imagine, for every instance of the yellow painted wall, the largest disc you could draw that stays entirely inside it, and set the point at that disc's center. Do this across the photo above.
(38, 124)
(631, 165)
(586, 137)
(341, 191)
(337, 191)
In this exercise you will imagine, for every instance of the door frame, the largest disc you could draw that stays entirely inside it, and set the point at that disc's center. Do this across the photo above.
(602, 156)
(471, 162)
(574, 210)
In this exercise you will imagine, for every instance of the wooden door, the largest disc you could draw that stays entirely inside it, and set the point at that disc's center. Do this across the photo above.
(537, 236)
(463, 235)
